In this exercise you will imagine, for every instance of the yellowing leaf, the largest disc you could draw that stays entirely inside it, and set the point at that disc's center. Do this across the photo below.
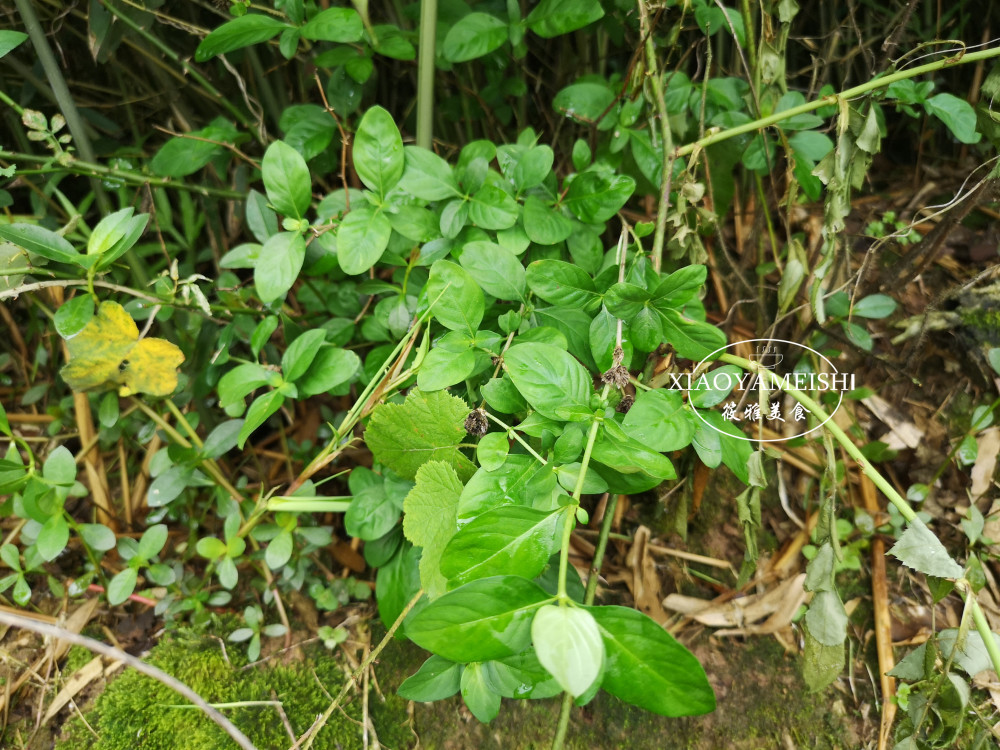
(107, 353)
(152, 368)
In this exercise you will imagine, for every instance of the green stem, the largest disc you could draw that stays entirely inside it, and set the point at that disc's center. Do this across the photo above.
(878, 480)
(91, 169)
(832, 99)
(61, 92)
(518, 438)
(425, 73)
(659, 237)
(567, 703)
(983, 628)
(602, 545)
(834, 429)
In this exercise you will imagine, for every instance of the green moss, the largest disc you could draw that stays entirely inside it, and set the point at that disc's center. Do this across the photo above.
(136, 712)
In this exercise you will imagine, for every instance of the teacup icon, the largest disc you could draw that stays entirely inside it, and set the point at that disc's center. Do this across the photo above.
(768, 357)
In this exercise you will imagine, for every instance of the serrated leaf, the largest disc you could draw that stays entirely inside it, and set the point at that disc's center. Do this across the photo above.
(919, 549)
(431, 518)
(426, 427)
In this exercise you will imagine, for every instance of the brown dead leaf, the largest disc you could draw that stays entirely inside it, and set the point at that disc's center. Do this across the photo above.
(644, 581)
(988, 443)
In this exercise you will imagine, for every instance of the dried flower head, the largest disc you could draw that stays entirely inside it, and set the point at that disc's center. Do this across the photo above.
(476, 423)
(616, 376)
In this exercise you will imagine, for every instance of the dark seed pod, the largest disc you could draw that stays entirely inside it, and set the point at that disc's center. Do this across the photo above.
(625, 404)
(476, 423)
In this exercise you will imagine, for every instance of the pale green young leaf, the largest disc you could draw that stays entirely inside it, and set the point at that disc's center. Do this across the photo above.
(568, 644)
(378, 151)
(286, 180)
(430, 519)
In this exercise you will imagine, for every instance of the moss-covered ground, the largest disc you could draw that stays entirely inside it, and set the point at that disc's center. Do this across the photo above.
(762, 704)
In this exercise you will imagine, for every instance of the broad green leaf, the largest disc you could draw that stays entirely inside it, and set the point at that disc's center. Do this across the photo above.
(568, 644)
(427, 175)
(543, 223)
(52, 537)
(971, 656)
(614, 448)
(658, 420)
(152, 541)
(827, 619)
(436, 680)
(221, 439)
(210, 547)
(521, 480)
(595, 197)
(442, 368)
(554, 17)
(625, 300)
(679, 287)
(485, 619)
(491, 452)
(378, 151)
(478, 694)
(713, 387)
(555, 384)
(107, 352)
(286, 180)
(604, 339)
(875, 306)
(533, 167)
(373, 511)
(334, 25)
(426, 427)
(184, 155)
(457, 300)
(497, 270)
(563, 284)
(238, 33)
(278, 266)
(241, 380)
(821, 664)
(362, 237)
(522, 676)
(501, 395)
(957, 114)
(97, 536)
(475, 35)
(120, 587)
(300, 353)
(692, 339)
(491, 208)
(279, 550)
(258, 413)
(508, 540)
(331, 367)
(40, 241)
(59, 467)
(168, 486)
(646, 667)
(430, 520)
(397, 582)
(919, 549)
(10, 40)
(590, 103)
